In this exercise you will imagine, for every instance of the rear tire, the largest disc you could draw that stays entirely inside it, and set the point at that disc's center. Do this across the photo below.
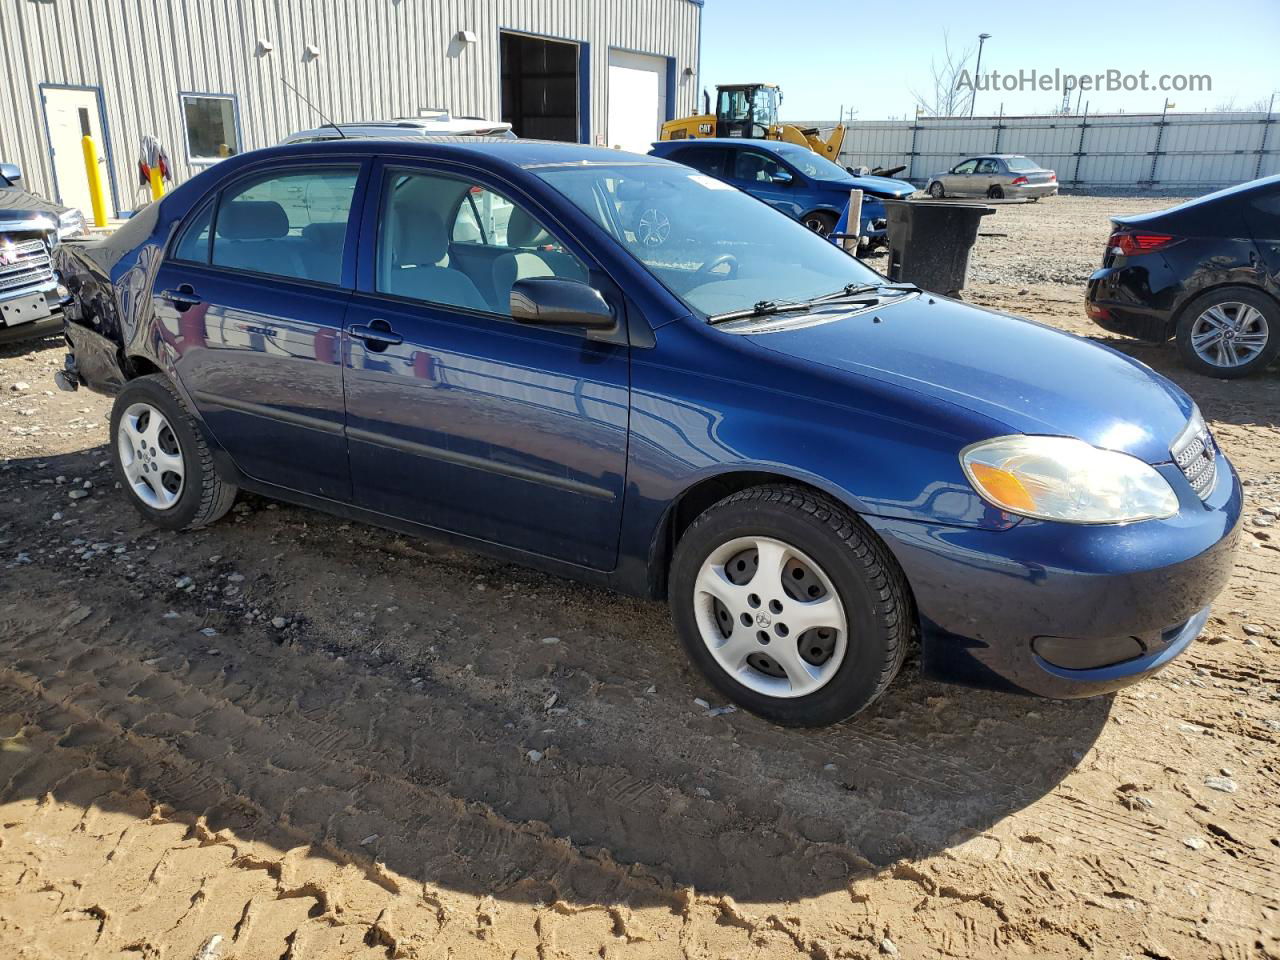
(936, 191)
(995, 193)
(1229, 332)
(825, 613)
(162, 459)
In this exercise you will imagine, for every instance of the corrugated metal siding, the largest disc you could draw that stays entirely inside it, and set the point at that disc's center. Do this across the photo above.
(378, 59)
(1196, 151)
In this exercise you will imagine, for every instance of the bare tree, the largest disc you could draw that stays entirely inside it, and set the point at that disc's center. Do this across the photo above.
(952, 86)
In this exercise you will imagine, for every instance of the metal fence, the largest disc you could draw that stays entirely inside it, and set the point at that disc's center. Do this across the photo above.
(1106, 152)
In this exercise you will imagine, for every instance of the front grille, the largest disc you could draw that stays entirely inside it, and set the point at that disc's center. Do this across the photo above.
(1196, 455)
(24, 263)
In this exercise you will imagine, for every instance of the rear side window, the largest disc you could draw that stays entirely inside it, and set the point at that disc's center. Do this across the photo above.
(710, 161)
(988, 166)
(292, 224)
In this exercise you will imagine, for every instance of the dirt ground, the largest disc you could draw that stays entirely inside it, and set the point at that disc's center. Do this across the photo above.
(287, 736)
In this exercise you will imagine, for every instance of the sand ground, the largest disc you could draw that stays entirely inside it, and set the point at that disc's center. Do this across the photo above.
(287, 736)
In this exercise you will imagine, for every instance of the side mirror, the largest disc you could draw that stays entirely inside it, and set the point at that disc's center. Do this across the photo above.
(782, 177)
(557, 302)
(10, 172)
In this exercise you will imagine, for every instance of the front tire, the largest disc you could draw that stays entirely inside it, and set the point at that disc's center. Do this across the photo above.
(1229, 332)
(162, 459)
(820, 223)
(790, 605)
(936, 191)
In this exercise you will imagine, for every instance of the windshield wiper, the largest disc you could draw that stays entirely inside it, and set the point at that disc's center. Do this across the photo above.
(858, 289)
(763, 308)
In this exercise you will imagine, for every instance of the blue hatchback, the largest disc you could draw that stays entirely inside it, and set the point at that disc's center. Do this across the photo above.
(480, 341)
(800, 183)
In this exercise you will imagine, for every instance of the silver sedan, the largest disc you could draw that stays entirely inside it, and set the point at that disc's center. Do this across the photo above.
(995, 176)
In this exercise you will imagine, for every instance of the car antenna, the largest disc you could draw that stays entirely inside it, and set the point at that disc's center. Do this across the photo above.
(327, 121)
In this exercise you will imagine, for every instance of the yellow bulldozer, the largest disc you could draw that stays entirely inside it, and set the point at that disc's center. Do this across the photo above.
(750, 110)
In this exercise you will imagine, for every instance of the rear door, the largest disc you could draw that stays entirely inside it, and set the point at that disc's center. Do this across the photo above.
(986, 175)
(252, 296)
(457, 416)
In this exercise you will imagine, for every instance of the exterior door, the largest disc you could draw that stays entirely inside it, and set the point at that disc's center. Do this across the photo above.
(959, 181)
(252, 297)
(754, 172)
(458, 417)
(637, 99)
(71, 114)
(986, 175)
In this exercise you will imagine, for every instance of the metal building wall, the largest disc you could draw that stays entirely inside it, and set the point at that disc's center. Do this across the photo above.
(1191, 151)
(378, 59)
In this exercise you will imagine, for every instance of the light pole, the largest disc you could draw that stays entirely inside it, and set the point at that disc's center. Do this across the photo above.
(977, 69)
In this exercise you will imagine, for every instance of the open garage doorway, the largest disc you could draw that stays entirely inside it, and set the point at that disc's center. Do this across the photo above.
(542, 87)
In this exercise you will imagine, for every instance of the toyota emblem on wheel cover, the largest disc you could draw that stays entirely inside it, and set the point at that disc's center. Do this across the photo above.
(762, 619)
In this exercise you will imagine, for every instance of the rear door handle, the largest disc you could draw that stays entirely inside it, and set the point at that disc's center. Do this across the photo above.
(183, 298)
(378, 335)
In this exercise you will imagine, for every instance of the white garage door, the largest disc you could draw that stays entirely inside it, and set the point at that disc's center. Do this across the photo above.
(637, 99)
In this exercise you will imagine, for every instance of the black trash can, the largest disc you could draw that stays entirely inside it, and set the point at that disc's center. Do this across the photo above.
(929, 242)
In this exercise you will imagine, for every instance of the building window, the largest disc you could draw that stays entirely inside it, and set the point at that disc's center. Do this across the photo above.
(211, 127)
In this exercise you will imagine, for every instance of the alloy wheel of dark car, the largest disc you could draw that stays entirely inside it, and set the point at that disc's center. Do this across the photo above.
(789, 605)
(162, 459)
(1229, 332)
(936, 191)
(820, 223)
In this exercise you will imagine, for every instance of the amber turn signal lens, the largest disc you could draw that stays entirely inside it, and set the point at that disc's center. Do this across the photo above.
(1002, 487)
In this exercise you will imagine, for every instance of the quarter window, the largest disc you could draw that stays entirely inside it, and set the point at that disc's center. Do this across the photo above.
(193, 245)
(290, 225)
(210, 126)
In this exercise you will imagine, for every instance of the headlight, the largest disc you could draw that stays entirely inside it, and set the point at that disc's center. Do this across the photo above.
(1060, 478)
(71, 224)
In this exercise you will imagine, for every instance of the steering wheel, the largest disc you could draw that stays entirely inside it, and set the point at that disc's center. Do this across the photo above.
(708, 268)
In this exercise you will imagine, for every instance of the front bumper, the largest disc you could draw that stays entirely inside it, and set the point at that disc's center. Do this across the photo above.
(988, 599)
(14, 329)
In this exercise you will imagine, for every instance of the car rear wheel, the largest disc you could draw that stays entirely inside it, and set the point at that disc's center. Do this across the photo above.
(995, 193)
(790, 605)
(820, 223)
(1229, 332)
(936, 191)
(162, 459)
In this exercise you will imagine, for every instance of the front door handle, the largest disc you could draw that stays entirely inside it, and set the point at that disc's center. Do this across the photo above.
(184, 298)
(377, 335)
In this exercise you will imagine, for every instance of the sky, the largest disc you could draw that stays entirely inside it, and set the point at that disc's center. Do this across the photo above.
(869, 57)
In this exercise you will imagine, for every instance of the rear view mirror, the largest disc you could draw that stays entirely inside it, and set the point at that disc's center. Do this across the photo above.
(11, 173)
(557, 302)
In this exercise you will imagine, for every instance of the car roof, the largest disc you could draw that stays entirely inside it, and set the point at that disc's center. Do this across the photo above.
(491, 152)
(405, 126)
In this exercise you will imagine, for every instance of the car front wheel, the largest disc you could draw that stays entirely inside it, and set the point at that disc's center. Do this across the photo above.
(161, 457)
(1229, 332)
(936, 191)
(790, 605)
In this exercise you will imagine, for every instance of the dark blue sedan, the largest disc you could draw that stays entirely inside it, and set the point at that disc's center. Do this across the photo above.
(800, 183)
(817, 467)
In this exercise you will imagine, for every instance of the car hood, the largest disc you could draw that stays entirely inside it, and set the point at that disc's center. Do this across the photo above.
(1032, 378)
(877, 186)
(18, 204)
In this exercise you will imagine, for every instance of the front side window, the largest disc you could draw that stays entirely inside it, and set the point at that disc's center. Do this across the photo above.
(716, 248)
(755, 167)
(291, 224)
(966, 167)
(447, 241)
(210, 126)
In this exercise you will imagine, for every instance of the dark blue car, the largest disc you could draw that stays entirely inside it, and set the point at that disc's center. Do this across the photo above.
(816, 467)
(800, 183)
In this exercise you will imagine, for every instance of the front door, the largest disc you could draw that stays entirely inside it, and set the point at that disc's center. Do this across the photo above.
(758, 172)
(458, 417)
(70, 115)
(252, 297)
(959, 182)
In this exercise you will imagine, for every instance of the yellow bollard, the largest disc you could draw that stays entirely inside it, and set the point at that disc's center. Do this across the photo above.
(95, 181)
(157, 183)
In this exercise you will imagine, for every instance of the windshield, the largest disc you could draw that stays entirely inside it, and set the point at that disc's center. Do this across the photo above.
(812, 164)
(716, 248)
(1020, 164)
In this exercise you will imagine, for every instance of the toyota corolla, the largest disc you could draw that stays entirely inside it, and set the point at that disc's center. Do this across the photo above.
(816, 467)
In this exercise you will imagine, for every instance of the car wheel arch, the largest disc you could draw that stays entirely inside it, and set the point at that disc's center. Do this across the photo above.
(1189, 296)
(708, 490)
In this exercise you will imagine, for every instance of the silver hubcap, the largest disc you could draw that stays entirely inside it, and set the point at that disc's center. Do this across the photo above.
(151, 457)
(817, 225)
(770, 616)
(1229, 334)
